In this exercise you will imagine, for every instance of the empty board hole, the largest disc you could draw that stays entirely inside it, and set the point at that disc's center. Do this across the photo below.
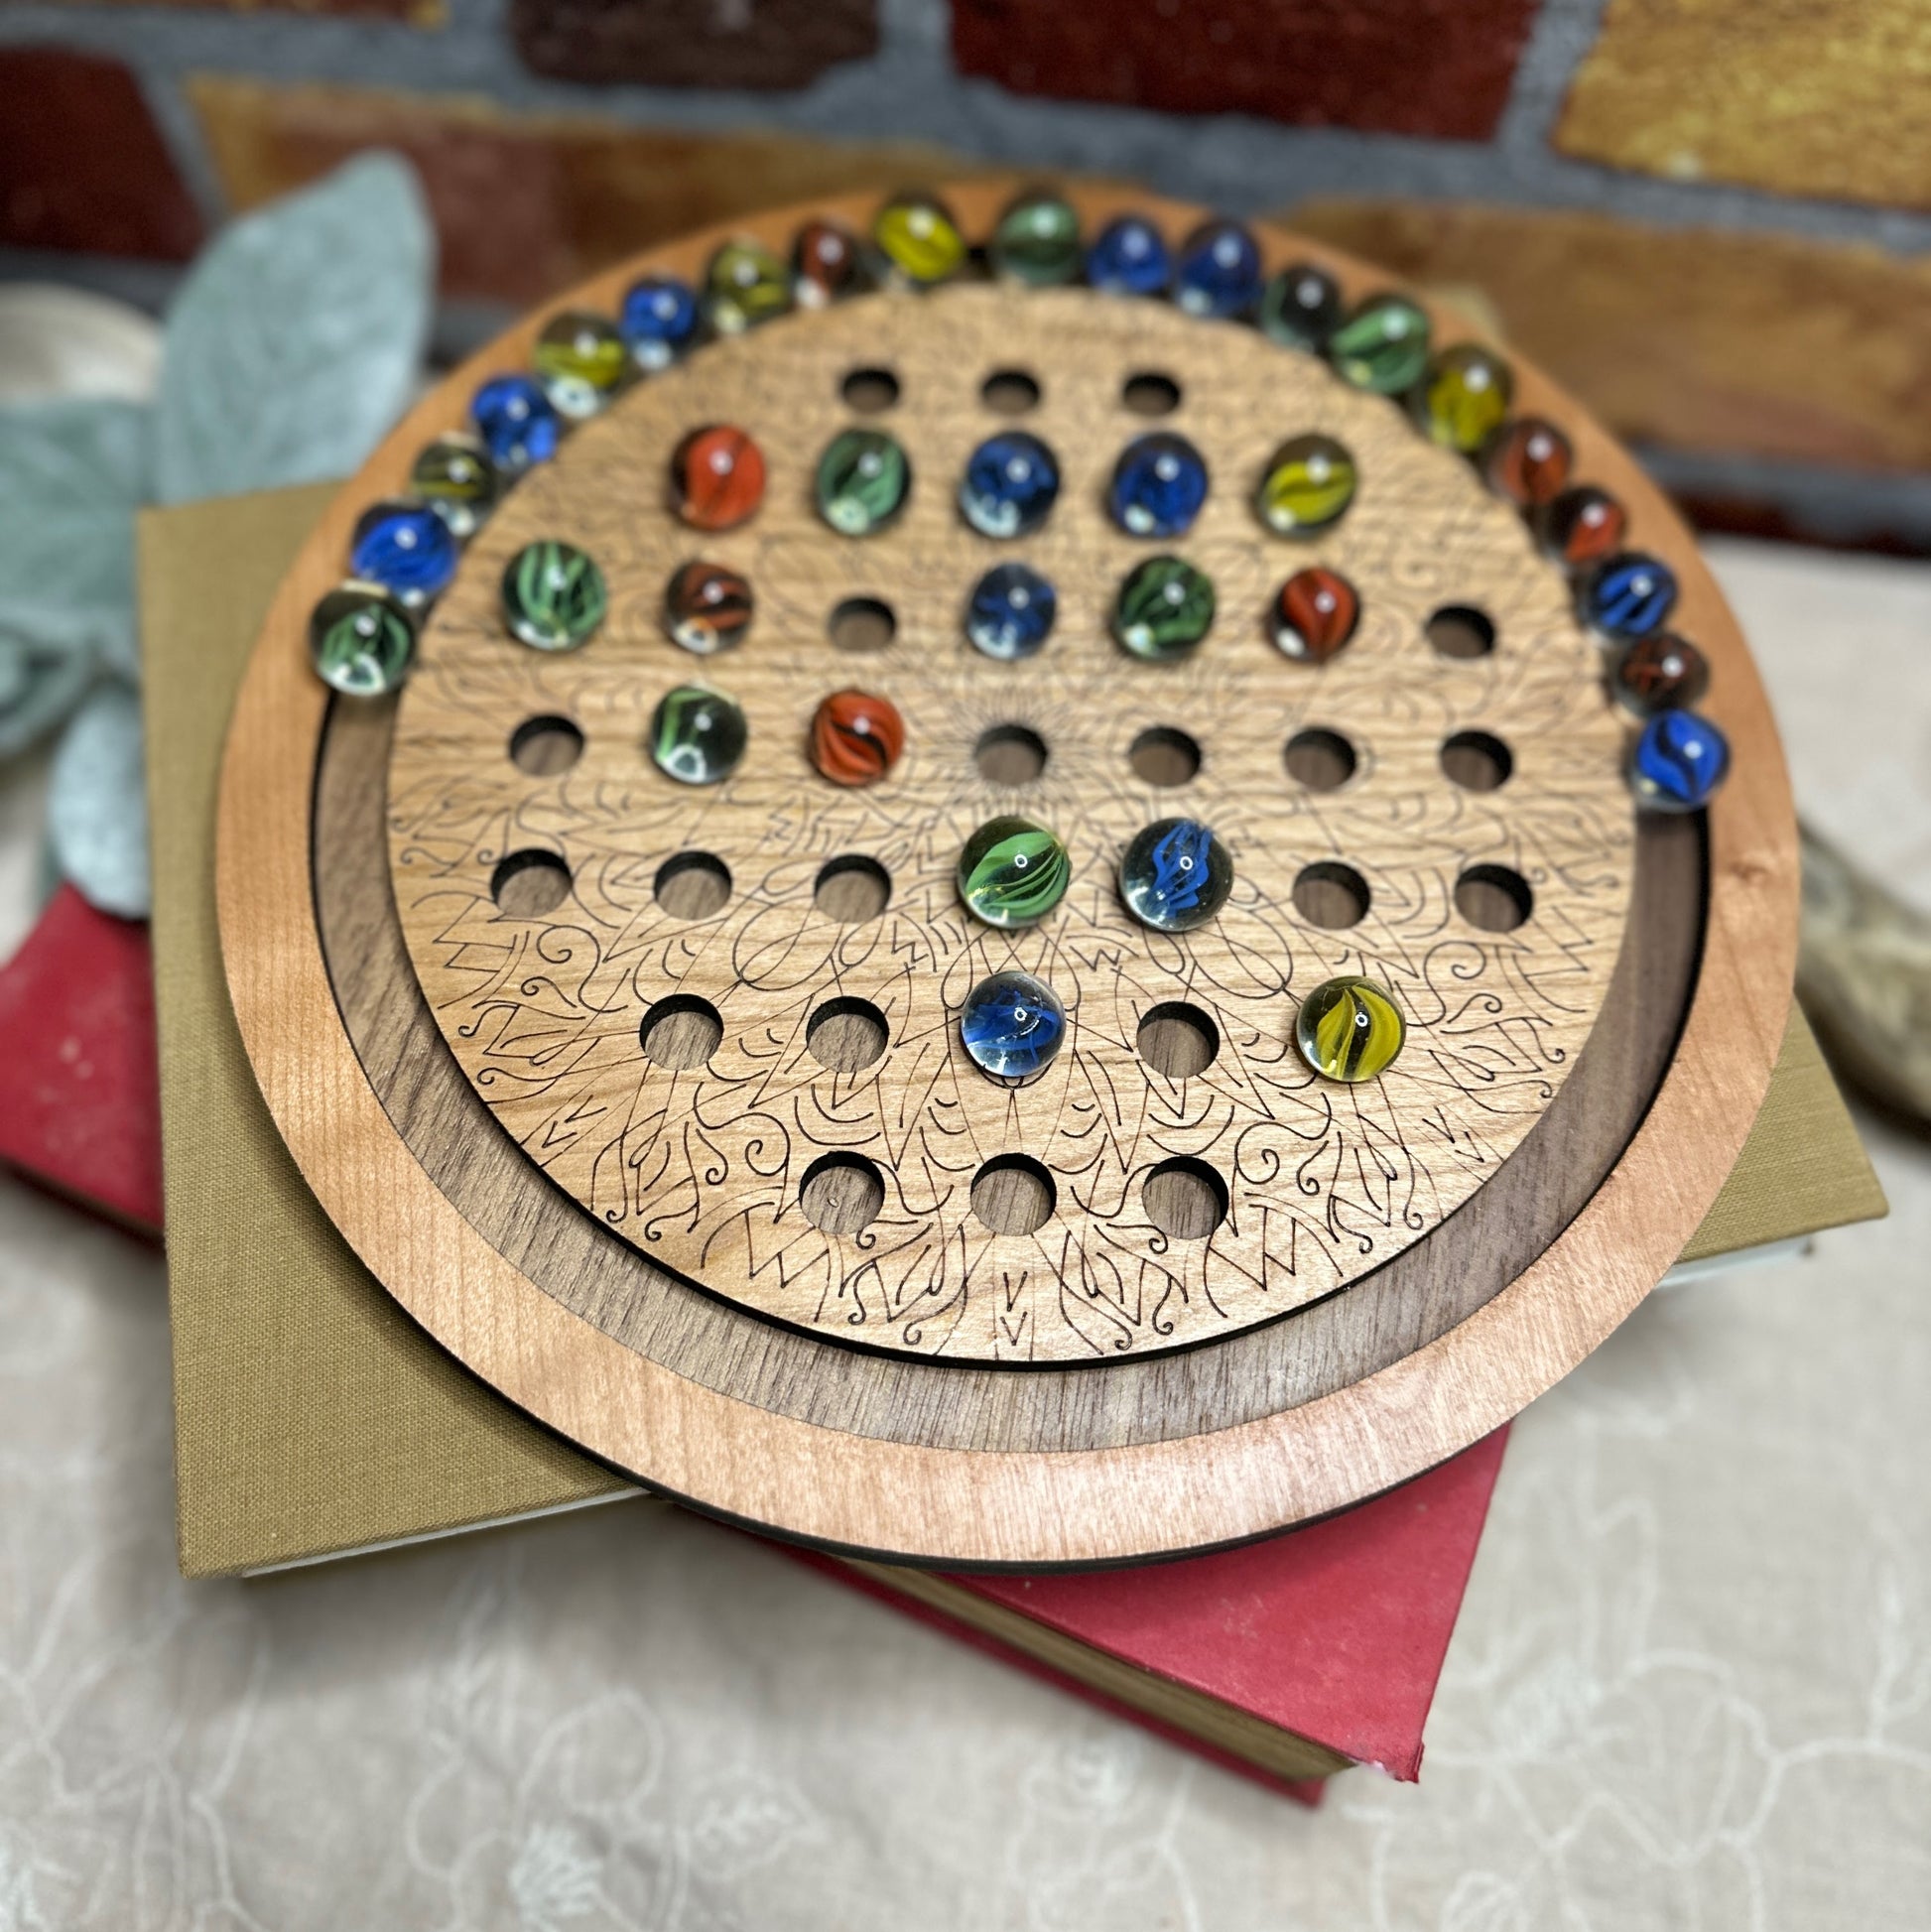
(1010, 754)
(1477, 761)
(1165, 757)
(1331, 894)
(1149, 393)
(846, 1034)
(1322, 760)
(863, 624)
(1460, 630)
(1185, 1198)
(1012, 392)
(528, 885)
(693, 885)
(1178, 1040)
(869, 391)
(681, 1031)
(1494, 898)
(842, 1192)
(545, 746)
(851, 888)
(1014, 1194)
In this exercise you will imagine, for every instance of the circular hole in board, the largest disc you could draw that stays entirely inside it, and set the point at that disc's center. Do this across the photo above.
(1494, 898)
(1014, 1194)
(1148, 391)
(1009, 392)
(1460, 630)
(545, 746)
(1321, 760)
(863, 624)
(846, 1034)
(1331, 894)
(1010, 754)
(528, 885)
(681, 1031)
(851, 888)
(1178, 1040)
(1477, 761)
(1164, 755)
(869, 391)
(1185, 1198)
(842, 1192)
(693, 885)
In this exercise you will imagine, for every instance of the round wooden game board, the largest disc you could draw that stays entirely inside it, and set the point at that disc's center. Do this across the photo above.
(1147, 1448)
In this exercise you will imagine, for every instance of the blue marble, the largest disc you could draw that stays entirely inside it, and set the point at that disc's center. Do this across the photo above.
(1218, 272)
(1175, 875)
(517, 422)
(1678, 760)
(1630, 595)
(1011, 611)
(1011, 1026)
(406, 548)
(1129, 257)
(659, 320)
(1010, 483)
(1159, 486)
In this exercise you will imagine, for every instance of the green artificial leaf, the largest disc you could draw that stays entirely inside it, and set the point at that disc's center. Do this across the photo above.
(96, 811)
(297, 339)
(72, 475)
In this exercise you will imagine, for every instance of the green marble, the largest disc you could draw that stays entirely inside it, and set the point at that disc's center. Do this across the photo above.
(1165, 608)
(745, 284)
(1013, 871)
(553, 596)
(1382, 346)
(1306, 485)
(582, 362)
(698, 735)
(454, 477)
(361, 640)
(863, 479)
(1037, 241)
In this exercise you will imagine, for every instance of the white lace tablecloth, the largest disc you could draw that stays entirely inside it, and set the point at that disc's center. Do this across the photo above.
(1691, 1687)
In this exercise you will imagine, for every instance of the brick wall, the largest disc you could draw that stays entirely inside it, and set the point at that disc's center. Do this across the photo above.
(1711, 217)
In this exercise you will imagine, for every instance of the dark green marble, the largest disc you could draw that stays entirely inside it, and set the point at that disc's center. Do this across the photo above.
(1165, 608)
(553, 596)
(1382, 346)
(361, 640)
(863, 479)
(698, 735)
(1037, 241)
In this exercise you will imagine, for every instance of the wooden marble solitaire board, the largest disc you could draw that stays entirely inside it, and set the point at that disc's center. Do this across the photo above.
(1146, 1304)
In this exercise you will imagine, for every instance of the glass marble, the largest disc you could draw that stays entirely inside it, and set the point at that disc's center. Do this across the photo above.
(717, 478)
(1010, 485)
(863, 479)
(1528, 461)
(1175, 874)
(1300, 306)
(454, 477)
(1382, 347)
(659, 320)
(827, 264)
(698, 735)
(1012, 1027)
(361, 640)
(553, 596)
(1129, 257)
(1660, 673)
(1159, 486)
(405, 546)
(1011, 610)
(856, 737)
(1313, 615)
(517, 422)
(919, 239)
(745, 285)
(1350, 1029)
(1581, 525)
(1629, 595)
(1164, 608)
(1218, 271)
(1013, 871)
(582, 361)
(1037, 240)
(1464, 398)
(1308, 484)
(1677, 762)
(708, 607)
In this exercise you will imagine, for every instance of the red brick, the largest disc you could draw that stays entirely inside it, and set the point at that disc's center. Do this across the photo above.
(758, 43)
(82, 164)
(1438, 67)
